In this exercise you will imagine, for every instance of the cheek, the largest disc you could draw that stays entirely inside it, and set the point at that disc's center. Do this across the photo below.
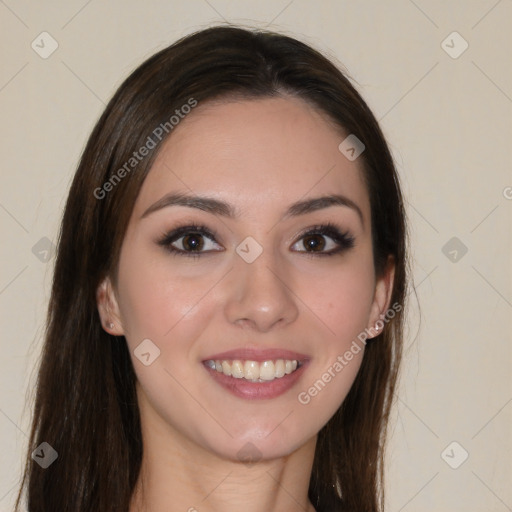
(341, 298)
(160, 303)
(156, 299)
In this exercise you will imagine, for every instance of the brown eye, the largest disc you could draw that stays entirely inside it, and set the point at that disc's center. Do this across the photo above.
(190, 241)
(324, 240)
(193, 242)
(314, 242)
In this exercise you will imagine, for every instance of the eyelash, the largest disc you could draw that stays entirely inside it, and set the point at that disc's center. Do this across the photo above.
(342, 238)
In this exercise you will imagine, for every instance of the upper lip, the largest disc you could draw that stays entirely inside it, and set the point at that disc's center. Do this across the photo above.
(252, 354)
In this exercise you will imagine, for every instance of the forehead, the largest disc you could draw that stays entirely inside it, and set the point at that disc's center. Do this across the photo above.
(259, 155)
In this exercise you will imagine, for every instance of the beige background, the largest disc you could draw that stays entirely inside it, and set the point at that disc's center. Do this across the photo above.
(448, 121)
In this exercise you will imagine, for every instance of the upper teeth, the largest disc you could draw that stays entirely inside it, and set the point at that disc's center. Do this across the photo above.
(254, 370)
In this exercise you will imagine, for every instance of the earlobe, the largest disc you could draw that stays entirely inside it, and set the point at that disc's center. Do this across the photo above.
(382, 298)
(108, 308)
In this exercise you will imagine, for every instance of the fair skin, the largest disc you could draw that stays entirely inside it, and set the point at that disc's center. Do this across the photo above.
(260, 157)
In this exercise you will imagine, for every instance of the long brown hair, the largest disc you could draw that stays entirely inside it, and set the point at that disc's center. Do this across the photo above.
(85, 405)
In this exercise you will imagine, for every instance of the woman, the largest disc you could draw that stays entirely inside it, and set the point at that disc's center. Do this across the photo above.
(226, 318)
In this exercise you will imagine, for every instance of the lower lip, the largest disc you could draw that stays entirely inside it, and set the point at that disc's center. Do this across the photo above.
(244, 388)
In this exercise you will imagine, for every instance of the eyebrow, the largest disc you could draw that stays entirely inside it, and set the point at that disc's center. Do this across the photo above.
(216, 207)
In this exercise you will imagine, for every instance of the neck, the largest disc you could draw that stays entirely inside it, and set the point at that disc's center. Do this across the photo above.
(177, 475)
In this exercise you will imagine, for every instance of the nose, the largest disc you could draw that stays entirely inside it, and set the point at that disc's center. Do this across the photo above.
(260, 294)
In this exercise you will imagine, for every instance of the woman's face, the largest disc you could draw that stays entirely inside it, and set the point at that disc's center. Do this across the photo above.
(271, 274)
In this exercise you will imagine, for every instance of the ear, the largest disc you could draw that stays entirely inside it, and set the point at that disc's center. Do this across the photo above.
(382, 298)
(108, 308)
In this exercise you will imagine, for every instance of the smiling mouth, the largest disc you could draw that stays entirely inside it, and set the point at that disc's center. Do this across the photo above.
(254, 371)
